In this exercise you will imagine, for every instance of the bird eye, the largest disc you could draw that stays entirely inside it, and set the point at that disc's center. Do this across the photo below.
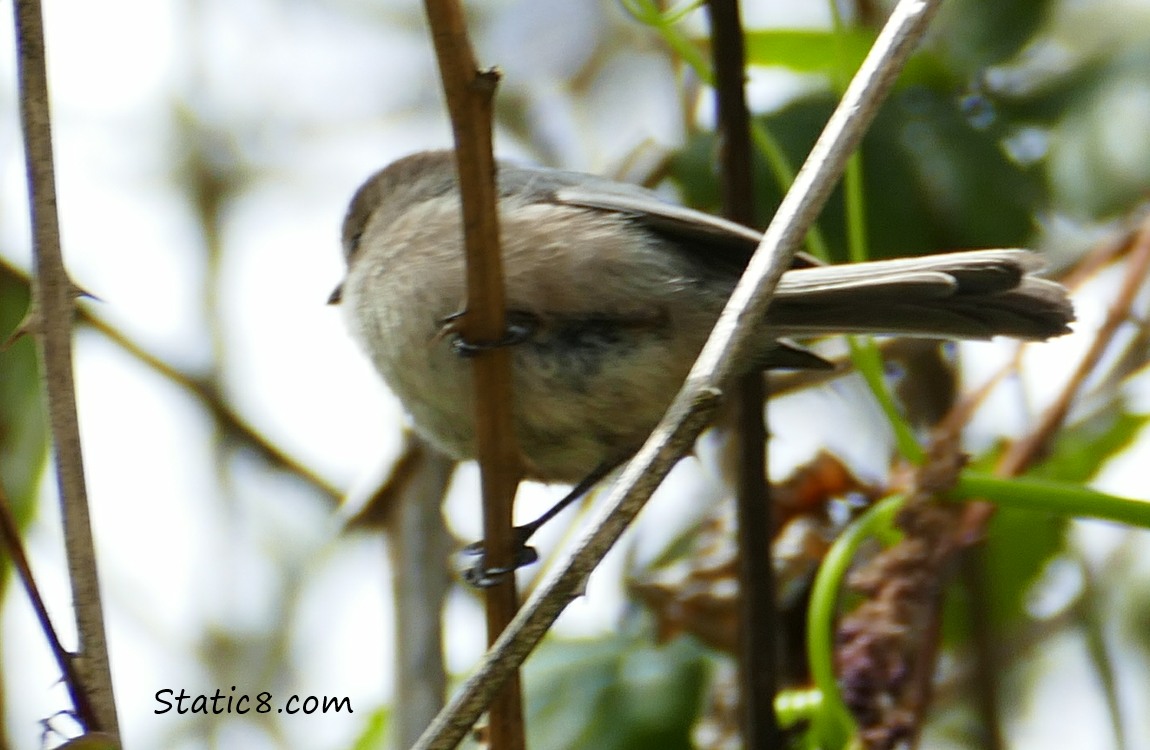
(351, 245)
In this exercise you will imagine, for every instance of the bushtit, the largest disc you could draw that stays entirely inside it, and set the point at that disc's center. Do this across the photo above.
(611, 292)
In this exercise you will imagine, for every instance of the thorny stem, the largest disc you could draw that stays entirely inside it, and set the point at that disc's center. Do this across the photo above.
(53, 303)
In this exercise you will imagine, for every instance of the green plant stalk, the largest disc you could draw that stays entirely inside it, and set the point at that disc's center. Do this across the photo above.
(864, 355)
(834, 723)
(868, 361)
(766, 143)
(784, 173)
(674, 15)
(1046, 496)
(833, 720)
(795, 706)
(858, 248)
(664, 25)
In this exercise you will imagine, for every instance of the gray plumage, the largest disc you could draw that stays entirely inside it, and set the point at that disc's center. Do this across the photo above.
(621, 290)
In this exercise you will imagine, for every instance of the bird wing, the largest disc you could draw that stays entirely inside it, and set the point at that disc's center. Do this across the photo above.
(709, 238)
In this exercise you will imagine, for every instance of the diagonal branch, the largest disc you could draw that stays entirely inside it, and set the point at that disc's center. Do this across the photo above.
(728, 346)
(11, 542)
(53, 309)
(1028, 449)
(1025, 451)
(227, 419)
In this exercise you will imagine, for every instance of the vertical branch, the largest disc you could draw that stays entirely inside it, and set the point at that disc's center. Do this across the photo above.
(419, 543)
(469, 93)
(758, 624)
(53, 306)
(693, 408)
(972, 571)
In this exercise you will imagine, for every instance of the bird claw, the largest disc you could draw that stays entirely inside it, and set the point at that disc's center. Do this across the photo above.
(520, 326)
(481, 576)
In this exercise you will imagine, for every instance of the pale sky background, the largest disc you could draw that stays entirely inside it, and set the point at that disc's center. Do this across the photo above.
(304, 99)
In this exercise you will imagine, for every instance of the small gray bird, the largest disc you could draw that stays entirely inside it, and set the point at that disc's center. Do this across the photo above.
(611, 292)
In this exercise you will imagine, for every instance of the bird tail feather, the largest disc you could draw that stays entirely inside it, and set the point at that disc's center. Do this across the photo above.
(976, 294)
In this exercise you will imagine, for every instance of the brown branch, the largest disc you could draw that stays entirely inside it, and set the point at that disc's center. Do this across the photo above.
(418, 543)
(227, 419)
(206, 393)
(53, 306)
(970, 523)
(1025, 451)
(758, 619)
(470, 93)
(10, 541)
(694, 406)
(986, 654)
(1028, 449)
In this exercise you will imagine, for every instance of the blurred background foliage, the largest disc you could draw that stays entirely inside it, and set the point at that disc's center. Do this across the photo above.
(206, 149)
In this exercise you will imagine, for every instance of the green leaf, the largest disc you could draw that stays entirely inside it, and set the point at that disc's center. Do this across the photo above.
(1018, 547)
(23, 434)
(617, 692)
(1098, 161)
(374, 732)
(932, 181)
(973, 34)
(829, 53)
(1081, 450)
(809, 51)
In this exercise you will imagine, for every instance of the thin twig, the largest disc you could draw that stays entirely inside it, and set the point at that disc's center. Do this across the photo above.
(1030, 447)
(418, 543)
(227, 420)
(985, 647)
(406, 506)
(693, 407)
(54, 303)
(1026, 450)
(758, 620)
(10, 541)
(470, 93)
(1023, 453)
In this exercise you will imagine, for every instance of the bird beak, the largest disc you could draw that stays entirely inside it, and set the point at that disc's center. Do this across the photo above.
(336, 296)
